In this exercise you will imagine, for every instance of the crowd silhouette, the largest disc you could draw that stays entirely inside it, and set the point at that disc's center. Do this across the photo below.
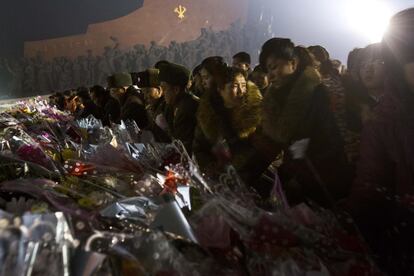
(34, 76)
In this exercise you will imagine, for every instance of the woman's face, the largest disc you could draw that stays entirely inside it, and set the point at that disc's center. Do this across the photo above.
(279, 70)
(207, 79)
(372, 73)
(234, 91)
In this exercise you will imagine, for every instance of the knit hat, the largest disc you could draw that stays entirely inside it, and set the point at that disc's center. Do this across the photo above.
(174, 74)
(119, 80)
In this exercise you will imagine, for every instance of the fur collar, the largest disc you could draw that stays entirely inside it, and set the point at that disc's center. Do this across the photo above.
(282, 120)
(243, 119)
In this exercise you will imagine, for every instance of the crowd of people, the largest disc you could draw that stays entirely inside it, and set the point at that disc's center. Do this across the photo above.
(342, 139)
(38, 75)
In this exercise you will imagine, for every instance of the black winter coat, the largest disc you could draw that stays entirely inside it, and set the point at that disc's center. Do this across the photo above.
(112, 111)
(133, 108)
(90, 108)
(181, 119)
(300, 110)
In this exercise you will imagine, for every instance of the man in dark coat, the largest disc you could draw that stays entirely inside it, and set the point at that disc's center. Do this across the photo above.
(89, 107)
(180, 112)
(259, 78)
(118, 84)
(297, 121)
(133, 107)
(110, 106)
(197, 82)
(148, 81)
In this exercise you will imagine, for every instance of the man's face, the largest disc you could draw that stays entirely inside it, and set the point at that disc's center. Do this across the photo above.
(237, 63)
(409, 75)
(279, 70)
(152, 93)
(260, 79)
(372, 73)
(117, 92)
(170, 92)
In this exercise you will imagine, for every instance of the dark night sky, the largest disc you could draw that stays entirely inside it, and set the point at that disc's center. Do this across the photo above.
(23, 20)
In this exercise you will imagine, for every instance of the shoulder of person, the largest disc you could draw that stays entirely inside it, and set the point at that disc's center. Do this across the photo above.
(188, 102)
(253, 93)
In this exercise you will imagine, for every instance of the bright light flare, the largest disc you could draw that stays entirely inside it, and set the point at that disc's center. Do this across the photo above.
(369, 18)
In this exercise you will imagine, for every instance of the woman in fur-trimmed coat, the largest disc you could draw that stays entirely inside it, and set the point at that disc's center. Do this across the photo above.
(296, 108)
(227, 116)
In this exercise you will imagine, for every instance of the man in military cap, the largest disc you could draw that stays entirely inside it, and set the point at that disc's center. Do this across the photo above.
(118, 84)
(149, 83)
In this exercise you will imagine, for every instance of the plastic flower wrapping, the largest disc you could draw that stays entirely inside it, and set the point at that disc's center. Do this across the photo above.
(77, 198)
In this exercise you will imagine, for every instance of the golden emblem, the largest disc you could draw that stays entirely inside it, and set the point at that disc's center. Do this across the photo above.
(180, 10)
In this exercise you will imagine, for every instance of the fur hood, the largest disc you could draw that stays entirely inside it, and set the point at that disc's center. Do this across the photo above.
(284, 108)
(244, 119)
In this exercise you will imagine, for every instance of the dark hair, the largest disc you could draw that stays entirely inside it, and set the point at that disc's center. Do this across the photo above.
(398, 42)
(322, 55)
(304, 57)
(83, 93)
(213, 64)
(259, 69)
(218, 104)
(67, 93)
(243, 57)
(59, 101)
(398, 50)
(196, 70)
(216, 67)
(353, 62)
(229, 75)
(100, 92)
(282, 48)
(372, 51)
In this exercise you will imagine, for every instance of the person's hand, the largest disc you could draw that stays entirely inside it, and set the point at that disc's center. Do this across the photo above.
(222, 152)
(161, 122)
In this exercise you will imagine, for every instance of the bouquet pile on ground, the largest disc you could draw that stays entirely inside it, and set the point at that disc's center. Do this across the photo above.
(77, 198)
